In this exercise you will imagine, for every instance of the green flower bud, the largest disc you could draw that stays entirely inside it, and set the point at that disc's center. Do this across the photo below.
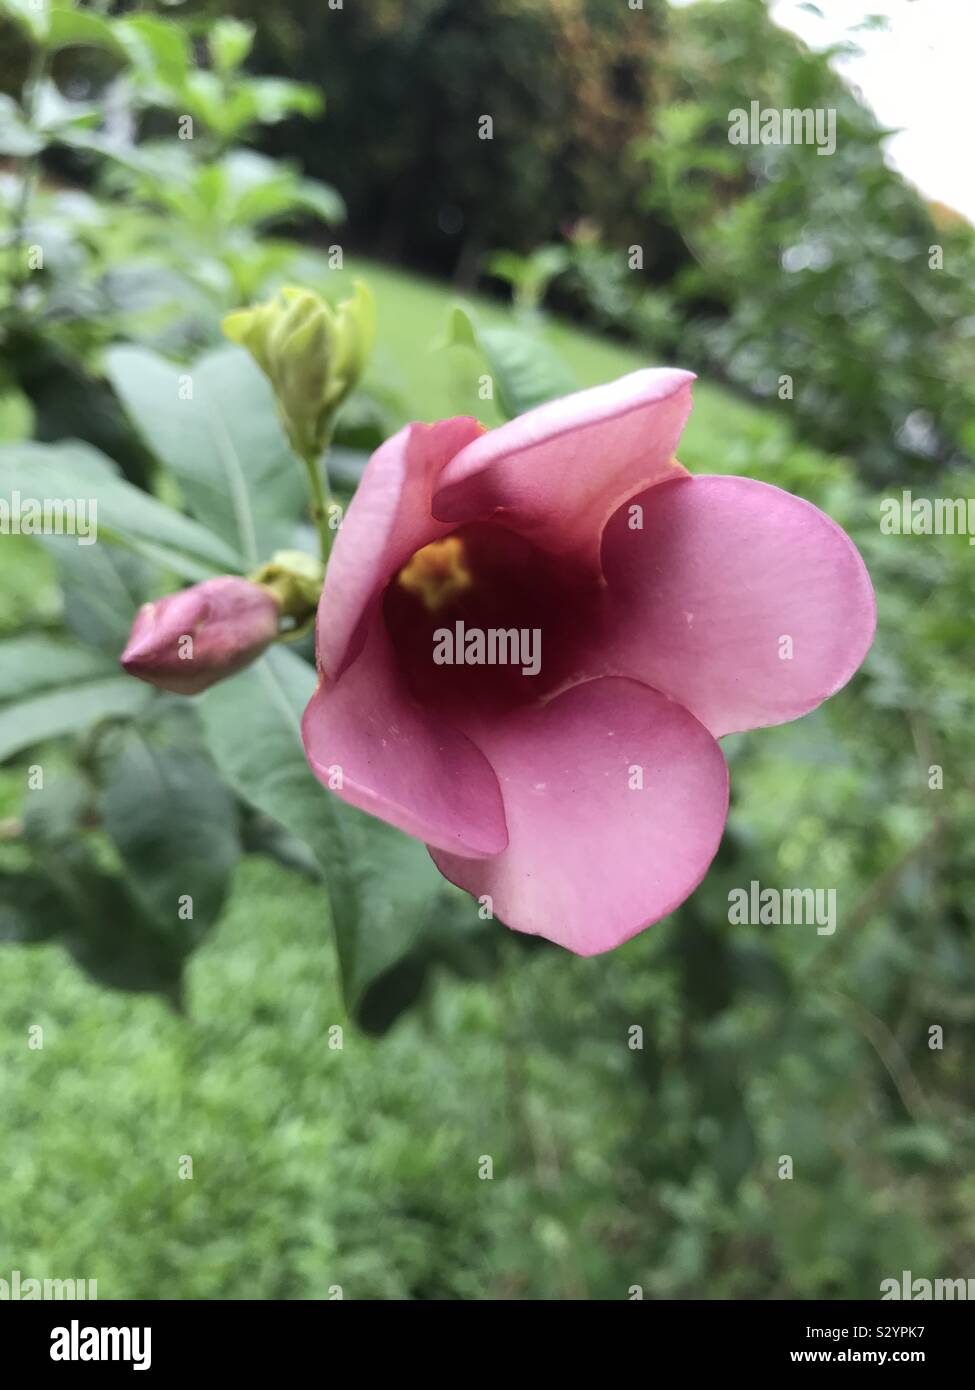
(313, 356)
(356, 324)
(295, 580)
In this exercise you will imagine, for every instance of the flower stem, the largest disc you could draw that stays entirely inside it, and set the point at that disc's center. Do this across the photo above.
(321, 500)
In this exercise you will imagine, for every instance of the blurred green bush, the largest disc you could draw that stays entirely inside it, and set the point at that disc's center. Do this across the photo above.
(566, 83)
(829, 270)
(824, 285)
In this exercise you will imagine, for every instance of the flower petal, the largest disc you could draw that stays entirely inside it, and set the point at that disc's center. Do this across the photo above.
(399, 762)
(557, 473)
(722, 572)
(388, 519)
(591, 858)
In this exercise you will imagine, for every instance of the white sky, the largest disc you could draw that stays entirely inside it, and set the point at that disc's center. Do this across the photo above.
(918, 78)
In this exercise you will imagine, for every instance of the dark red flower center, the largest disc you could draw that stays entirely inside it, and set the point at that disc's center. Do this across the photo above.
(484, 619)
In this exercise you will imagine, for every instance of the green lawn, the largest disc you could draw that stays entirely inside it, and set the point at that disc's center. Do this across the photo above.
(724, 434)
(411, 361)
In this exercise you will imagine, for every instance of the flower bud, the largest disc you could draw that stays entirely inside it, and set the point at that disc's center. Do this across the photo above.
(295, 579)
(188, 641)
(313, 356)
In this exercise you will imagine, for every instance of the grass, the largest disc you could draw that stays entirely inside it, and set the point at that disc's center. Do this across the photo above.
(313, 1165)
(724, 434)
(411, 362)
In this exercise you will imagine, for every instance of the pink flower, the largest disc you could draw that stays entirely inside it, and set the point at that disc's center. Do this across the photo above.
(188, 641)
(587, 800)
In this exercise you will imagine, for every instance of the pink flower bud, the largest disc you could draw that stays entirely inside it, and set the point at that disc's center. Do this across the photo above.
(190, 640)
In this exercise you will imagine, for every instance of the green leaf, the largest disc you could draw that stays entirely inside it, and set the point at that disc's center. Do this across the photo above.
(451, 937)
(382, 886)
(225, 445)
(160, 48)
(245, 187)
(252, 725)
(124, 514)
(55, 815)
(54, 113)
(529, 276)
(321, 199)
(526, 371)
(98, 915)
(70, 710)
(103, 587)
(34, 662)
(460, 328)
(276, 98)
(280, 194)
(70, 27)
(16, 417)
(174, 824)
(229, 42)
(115, 944)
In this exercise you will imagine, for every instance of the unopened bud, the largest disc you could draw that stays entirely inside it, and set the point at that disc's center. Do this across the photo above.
(313, 356)
(188, 641)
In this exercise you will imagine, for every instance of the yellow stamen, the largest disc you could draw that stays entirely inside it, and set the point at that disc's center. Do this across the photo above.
(437, 573)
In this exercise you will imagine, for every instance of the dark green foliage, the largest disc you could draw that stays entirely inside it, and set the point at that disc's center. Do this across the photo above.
(828, 270)
(408, 82)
